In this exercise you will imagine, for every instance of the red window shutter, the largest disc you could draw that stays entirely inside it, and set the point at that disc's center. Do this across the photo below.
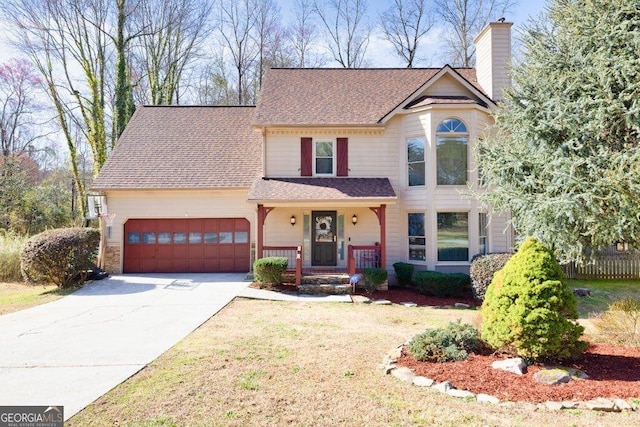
(306, 157)
(343, 157)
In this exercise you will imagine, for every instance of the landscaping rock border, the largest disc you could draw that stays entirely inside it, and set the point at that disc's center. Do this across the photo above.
(389, 366)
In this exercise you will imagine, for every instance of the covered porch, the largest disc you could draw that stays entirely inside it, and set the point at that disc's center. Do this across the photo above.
(323, 225)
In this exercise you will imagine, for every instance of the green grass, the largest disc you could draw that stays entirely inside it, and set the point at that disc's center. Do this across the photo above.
(603, 292)
(18, 296)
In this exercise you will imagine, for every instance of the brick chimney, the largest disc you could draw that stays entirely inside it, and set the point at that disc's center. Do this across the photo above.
(493, 58)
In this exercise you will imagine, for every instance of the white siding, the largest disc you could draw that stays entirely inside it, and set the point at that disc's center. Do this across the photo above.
(493, 56)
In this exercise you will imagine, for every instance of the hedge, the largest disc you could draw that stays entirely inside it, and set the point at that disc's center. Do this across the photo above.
(62, 256)
(443, 285)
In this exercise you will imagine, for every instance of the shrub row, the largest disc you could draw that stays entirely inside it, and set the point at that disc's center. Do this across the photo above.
(443, 285)
(62, 256)
(404, 273)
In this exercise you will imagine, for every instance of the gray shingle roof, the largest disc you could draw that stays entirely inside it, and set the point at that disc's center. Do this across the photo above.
(309, 189)
(184, 147)
(325, 96)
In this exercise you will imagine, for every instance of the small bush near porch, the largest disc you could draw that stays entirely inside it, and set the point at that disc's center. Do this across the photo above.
(442, 285)
(269, 271)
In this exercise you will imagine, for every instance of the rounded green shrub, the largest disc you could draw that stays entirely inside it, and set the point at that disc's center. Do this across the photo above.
(373, 278)
(62, 256)
(528, 310)
(269, 270)
(404, 273)
(482, 269)
(448, 344)
(442, 285)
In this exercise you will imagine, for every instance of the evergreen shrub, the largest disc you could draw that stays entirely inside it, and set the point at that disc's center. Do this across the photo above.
(269, 270)
(448, 344)
(373, 278)
(528, 310)
(404, 273)
(482, 269)
(442, 285)
(62, 256)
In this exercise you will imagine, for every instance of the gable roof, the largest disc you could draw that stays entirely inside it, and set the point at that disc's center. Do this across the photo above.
(179, 147)
(340, 96)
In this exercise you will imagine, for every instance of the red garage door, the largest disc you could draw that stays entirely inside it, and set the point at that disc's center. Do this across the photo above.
(201, 245)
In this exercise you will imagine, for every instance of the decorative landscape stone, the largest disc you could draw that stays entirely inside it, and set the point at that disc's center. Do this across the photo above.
(514, 365)
(405, 374)
(558, 375)
(487, 398)
(423, 382)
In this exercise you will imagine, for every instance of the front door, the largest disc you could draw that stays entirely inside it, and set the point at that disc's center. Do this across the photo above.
(324, 247)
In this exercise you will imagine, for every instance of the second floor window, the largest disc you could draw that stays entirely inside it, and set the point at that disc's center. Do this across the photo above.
(415, 161)
(324, 157)
(451, 152)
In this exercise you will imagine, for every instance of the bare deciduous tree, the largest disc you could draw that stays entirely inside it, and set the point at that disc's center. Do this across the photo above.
(303, 34)
(404, 25)
(172, 35)
(19, 107)
(348, 31)
(237, 24)
(464, 20)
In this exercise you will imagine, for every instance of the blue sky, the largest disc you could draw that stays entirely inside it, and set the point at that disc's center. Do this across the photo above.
(380, 55)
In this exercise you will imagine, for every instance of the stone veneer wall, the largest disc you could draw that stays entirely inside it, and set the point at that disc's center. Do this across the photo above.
(112, 260)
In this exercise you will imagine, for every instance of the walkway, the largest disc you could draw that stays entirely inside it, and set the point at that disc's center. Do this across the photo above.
(71, 351)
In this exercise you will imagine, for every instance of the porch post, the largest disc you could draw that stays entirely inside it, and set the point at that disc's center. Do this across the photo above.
(382, 221)
(261, 217)
(383, 236)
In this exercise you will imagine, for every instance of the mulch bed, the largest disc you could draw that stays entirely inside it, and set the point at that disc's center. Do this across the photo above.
(614, 372)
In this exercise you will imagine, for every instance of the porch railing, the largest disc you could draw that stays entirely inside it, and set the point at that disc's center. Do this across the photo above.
(293, 254)
(361, 257)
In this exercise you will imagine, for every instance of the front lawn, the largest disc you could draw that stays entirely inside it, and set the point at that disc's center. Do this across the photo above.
(603, 292)
(15, 296)
(265, 363)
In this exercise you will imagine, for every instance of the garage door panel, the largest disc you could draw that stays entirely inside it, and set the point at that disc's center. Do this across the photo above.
(187, 245)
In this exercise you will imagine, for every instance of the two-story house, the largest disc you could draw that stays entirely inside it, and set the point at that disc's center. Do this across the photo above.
(343, 168)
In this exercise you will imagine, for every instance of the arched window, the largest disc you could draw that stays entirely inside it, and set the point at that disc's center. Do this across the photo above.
(451, 152)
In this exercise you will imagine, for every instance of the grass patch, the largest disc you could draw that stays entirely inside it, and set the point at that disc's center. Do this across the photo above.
(329, 377)
(18, 296)
(603, 293)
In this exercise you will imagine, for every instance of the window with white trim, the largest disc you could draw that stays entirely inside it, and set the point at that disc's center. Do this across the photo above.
(415, 161)
(453, 236)
(483, 234)
(324, 158)
(451, 152)
(417, 237)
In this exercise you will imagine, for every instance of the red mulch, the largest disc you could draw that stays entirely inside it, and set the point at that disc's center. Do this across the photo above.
(613, 372)
(398, 295)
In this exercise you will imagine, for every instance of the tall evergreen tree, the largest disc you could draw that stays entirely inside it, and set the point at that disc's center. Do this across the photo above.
(564, 157)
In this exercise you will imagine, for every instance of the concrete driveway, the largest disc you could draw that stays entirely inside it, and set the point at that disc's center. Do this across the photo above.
(71, 351)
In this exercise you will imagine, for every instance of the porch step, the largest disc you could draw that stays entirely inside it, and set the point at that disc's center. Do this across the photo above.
(325, 288)
(325, 278)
